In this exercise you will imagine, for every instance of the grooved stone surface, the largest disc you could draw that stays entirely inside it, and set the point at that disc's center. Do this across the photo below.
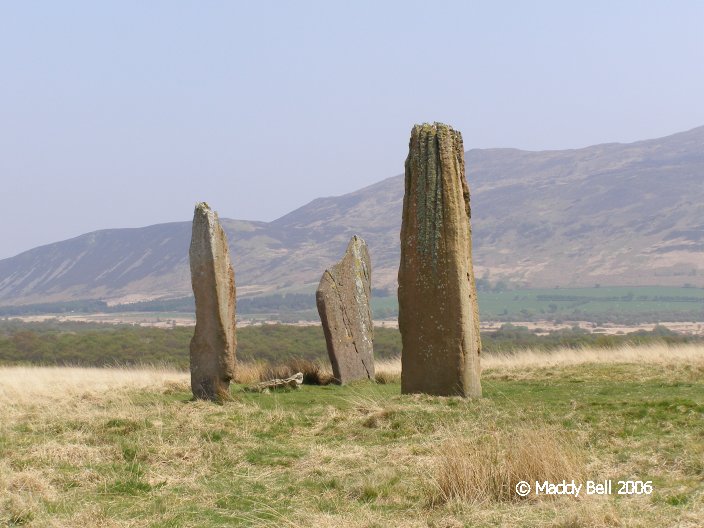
(438, 313)
(214, 342)
(343, 304)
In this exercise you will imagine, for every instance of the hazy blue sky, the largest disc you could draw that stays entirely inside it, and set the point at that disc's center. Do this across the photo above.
(125, 113)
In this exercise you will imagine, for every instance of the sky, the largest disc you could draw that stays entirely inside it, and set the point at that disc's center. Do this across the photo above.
(127, 113)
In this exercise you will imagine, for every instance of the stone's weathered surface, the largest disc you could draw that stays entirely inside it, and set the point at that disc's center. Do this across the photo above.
(438, 315)
(213, 280)
(343, 304)
(292, 382)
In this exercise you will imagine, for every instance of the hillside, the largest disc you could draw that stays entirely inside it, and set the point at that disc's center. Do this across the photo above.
(612, 214)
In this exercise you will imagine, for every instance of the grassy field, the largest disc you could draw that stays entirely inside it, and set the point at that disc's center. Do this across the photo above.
(615, 304)
(606, 304)
(111, 447)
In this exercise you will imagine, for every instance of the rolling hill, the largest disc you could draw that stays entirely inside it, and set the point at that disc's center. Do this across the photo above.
(612, 214)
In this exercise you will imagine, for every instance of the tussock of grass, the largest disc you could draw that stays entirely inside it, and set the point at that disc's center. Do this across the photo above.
(388, 371)
(313, 372)
(488, 468)
(590, 515)
(249, 373)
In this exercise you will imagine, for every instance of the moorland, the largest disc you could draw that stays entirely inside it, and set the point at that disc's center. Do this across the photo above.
(127, 447)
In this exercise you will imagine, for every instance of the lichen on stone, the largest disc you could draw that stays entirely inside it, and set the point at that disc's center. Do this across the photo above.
(438, 316)
(424, 163)
(342, 299)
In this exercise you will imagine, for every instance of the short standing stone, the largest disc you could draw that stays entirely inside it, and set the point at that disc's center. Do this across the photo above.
(438, 315)
(343, 304)
(213, 279)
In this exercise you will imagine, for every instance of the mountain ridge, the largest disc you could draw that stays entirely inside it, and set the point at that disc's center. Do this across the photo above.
(613, 213)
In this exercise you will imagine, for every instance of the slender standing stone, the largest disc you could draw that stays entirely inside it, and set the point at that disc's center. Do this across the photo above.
(438, 315)
(343, 304)
(214, 342)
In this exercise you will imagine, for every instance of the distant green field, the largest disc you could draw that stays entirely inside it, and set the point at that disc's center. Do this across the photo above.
(606, 304)
(621, 304)
(612, 304)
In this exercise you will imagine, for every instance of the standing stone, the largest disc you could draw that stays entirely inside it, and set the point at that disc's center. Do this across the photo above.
(343, 304)
(438, 315)
(213, 279)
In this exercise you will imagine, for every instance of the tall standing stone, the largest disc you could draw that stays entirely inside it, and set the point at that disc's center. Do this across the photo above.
(438, 314)
(343, 304)
(213, 279)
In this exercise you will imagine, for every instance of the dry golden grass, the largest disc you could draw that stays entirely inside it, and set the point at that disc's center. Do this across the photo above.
(250, 373)
(655, 354)
(389, 370)
(41, 385)
(314, 373)
(487, 468)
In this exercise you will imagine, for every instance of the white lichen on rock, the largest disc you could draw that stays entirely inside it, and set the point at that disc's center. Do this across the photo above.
(343, 304)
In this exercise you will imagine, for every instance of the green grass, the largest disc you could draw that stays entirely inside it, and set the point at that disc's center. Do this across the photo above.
(360, 455)
(605, 304)
(619, 304)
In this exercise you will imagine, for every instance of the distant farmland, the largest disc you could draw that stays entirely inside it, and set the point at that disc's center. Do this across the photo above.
(612, 304)
(619, 304)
